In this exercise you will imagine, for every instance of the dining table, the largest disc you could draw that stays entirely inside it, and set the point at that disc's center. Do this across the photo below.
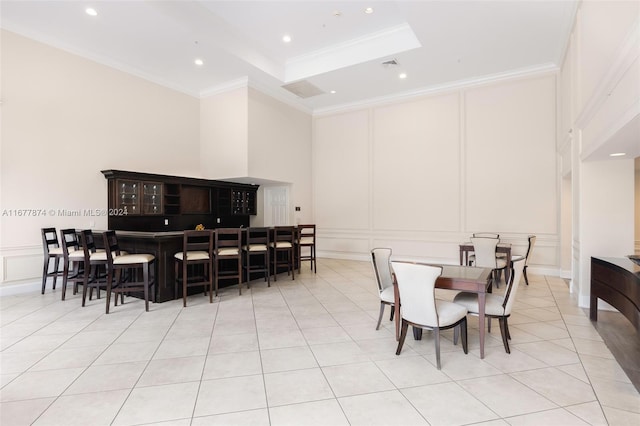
(467, 247)
(470, 279)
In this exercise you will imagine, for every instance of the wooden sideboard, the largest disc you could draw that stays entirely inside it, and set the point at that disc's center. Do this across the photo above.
(162, 203)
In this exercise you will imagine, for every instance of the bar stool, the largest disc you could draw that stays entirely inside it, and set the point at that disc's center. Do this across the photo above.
(117, 262)
(73, 256)
(197, 249)
(257, 244)
(227, 247)
(52, 251)
(93, 261)
(282, 244)
(307, 238)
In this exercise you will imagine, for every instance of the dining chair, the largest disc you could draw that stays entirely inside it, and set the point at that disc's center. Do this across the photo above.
(485, 256)
(419, 306)
(532, 241)
(380, 258)
(306, 238)
(52, 251)
(196, 256)
(258, 242)
(117, 263)
(472, 257)
(496, 306)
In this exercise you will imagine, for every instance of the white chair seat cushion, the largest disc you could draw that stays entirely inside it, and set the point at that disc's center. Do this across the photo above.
(55, 250)
(76, 254)
(100, 254)
(306, 240)
(493, 303)
(193, 255)
(255, 247)
(387, 295)
(281, 244)
(127, 259)
(501, 263)
(228, 252)
(449, 313)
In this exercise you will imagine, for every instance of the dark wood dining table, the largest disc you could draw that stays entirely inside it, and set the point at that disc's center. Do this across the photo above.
(462, 278)
(467, 247)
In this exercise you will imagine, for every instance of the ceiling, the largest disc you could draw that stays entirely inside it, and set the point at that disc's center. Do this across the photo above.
(335, 45)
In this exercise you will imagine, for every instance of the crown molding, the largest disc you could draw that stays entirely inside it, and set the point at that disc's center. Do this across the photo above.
(539, 70)
(225, 87)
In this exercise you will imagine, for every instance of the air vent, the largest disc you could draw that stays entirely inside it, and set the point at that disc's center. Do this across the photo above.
(303, 89)
(390, 63)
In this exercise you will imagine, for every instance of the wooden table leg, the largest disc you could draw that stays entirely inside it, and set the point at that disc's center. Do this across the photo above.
(481, 321)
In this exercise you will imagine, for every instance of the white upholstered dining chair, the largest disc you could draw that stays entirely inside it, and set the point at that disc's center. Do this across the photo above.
(380, 258)
(532, 241)
(485, 256)
(419, 306)
(496, 306)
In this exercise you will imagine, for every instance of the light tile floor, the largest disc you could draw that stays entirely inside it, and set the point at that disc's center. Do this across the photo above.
(302, 352)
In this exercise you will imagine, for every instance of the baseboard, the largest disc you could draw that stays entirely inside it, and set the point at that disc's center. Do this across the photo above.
(25, 287)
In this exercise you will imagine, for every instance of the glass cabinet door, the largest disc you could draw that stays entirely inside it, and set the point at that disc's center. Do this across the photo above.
(128, 197)
(152, 198)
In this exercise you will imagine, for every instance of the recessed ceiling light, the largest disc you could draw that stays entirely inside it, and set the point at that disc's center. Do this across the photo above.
(199, 62)
(618, 154)
(91, 11)
(368, 10)
(402, 75)
(333, 92)
(286, 38)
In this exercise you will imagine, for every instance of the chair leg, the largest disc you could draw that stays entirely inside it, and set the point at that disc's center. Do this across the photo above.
(436, 332)
(503, 331)
(463, 335)
(380, 316)
(524, 271)
(240, 276)
(184, 284)
(56, 263)
(109, 280)
(145, 275)
(489, 324)
(65, 277)
(45, 271)
(456, 334)
(403, 335)
(393, 311)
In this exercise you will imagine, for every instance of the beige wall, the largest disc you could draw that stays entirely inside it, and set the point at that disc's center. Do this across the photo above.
(64, 119)
(224, 143)
(422, 175)
(279, 150)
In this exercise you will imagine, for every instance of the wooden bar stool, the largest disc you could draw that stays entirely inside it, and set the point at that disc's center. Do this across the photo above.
(306, 239)
(282, 250)
(227, 247)
(73, 257)
(118, 262)
(52, 251)
(197, 249)
(93, 261)
(257, 244)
